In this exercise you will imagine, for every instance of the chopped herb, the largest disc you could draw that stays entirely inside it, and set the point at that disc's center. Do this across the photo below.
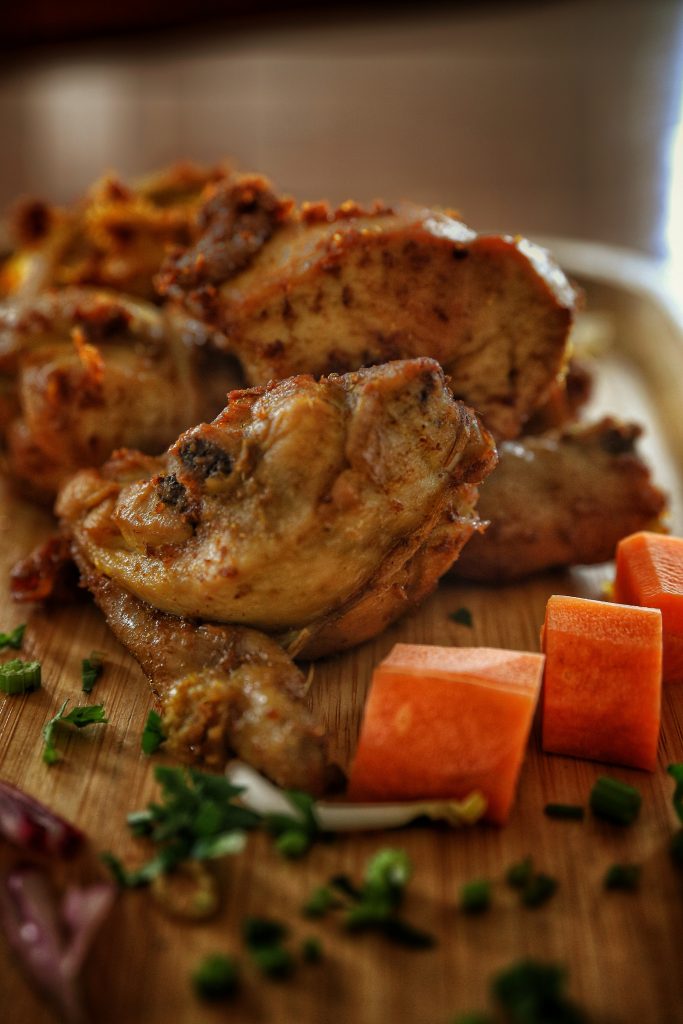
(622, 876)
(676, 848)
(80, 716)
(262, 931)
(153, 734)
(475, 897)
(13, 639)
(197, 819)
(538, 890)
(676, 773)
(217, 977)
(463, 616)
(18, 676)
(294, 833)
(569, 812)
(263, 938)
(376, 904)
(273, 961)
(518, 875)
(320, 901)
(615, 801)
(91, 670)
(311, 950)
(532, 993)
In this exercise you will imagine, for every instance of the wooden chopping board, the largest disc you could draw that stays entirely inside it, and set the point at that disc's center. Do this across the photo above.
(622, 950)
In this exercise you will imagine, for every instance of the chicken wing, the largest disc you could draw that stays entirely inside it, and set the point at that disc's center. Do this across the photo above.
(337, 291)
(316, 511)
(87, 371)
(225, 690)
(559, 500)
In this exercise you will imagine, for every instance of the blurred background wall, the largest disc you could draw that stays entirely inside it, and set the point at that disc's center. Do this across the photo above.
(548, 117)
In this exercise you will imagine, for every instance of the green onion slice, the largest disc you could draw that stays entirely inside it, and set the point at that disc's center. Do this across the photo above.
(18, 676)
(615, 801)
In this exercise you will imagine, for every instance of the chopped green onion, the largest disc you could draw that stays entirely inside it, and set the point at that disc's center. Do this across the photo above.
(18, 676)
(463, 616)
(81, 716)
(475, 897)
(216, 977)
(519, 874)
(14, 638)
(91, 670)
(538, 890)
(262, 931)
(320, 901)
(569, 812)
(615, 801)
(311, 950)
(153, 734)
(530, 992)
(622, 876)
(273, 961)
(676, 773)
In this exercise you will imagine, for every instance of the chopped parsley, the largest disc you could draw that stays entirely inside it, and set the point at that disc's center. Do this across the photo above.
(294, 833)
(530, 992)
(463, 616)
(196, 819)
(13, 639)
(319, 902)
(18, 676)
(518, 875)
(91, 670)
(153, 734)
(80, 716)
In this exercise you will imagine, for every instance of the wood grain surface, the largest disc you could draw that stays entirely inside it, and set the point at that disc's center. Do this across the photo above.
(622, 950)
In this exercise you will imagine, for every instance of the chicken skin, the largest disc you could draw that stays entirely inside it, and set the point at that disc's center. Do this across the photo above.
(87, 371)
(561, 499)
(316, 511)
(337, 291)
(115, 237)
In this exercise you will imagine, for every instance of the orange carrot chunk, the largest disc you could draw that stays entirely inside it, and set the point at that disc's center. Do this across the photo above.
(441, 722)
(650, 574)
(603, 681)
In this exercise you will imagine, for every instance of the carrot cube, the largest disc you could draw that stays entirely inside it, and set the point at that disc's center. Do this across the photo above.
(603, 681)
(441, 722)
(650, 574)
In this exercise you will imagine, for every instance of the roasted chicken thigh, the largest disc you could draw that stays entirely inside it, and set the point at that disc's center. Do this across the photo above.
(561, 499)
(334, 291)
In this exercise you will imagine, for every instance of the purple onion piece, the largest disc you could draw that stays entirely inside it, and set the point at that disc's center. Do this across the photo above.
(52, 946)
(27, 823)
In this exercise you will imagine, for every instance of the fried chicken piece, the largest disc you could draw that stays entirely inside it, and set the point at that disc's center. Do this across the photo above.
(116, 237)
(561, 500)
(336, 291)
(225, 690)
(87, 371)
(316, 511)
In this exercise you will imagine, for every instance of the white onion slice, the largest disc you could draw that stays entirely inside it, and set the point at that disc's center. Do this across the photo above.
(263, 797)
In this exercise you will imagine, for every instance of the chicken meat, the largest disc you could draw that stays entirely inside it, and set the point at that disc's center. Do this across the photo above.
(87, 371)
(561, 499)
(306, 506)
(334, 291)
